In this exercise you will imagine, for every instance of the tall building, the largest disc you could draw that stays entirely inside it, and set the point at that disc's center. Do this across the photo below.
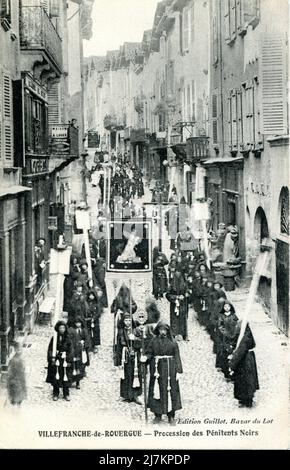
(37, 142)
(248, 172)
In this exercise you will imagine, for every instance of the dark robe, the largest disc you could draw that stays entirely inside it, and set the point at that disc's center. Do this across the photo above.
(92, 320)
(78, 307)
(178, 307)
(160, 346)
(214, 316)
(225, 345)
(80, 360)
(243, 363)
(123, 303)
(129, 350)
(69, 284)
(64, 345)
(160, 284)
(100, 275)
(16, 381)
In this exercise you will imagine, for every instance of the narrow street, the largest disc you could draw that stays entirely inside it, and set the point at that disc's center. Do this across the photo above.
(204, 390)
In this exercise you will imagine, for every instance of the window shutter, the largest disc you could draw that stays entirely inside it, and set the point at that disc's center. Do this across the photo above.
(234, 119)
(240, 116)
(54, 105)
(227, 20)
(193, 105)
(215, 40)
(273, 84)
(233, 16)
(192, 22)
(7, 131)
(1, 120)
(188, 103)
(230, 120)
(185, 28)
(214, 119)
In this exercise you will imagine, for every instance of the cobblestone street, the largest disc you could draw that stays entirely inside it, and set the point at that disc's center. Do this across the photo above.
(204, 390)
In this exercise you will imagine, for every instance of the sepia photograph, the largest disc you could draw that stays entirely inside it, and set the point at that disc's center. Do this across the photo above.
(144, 226)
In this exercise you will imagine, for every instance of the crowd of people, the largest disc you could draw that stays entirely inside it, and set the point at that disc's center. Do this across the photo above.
(143, 343)
(78, 333)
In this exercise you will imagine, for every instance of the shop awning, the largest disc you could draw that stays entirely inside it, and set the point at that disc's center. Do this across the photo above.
(225, 160)
(13, 190)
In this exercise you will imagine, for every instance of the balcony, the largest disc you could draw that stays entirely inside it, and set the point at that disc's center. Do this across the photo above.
(39, 36)
(197, 149)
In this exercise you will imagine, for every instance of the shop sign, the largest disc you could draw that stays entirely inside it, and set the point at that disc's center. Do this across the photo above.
(35, 166)
(35, 88)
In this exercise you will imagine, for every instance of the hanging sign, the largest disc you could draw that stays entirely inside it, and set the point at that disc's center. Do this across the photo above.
(60, 261)
(82, 219)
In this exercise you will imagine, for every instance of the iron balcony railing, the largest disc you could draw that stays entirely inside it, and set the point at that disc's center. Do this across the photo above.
(37, 32)
(197, 148)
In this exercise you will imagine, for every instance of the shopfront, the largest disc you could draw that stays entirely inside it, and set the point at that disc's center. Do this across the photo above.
(12, 267)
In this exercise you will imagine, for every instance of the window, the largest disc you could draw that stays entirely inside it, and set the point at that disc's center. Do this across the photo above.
(5, 14)
(170, 77)
(188, 103)
(36, 124)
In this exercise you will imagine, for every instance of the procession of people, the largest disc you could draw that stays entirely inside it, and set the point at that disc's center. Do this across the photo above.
(145, 347)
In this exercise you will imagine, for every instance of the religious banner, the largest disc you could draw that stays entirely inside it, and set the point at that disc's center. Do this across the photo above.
(129, 246)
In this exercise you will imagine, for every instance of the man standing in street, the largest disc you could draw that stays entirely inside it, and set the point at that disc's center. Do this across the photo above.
(163, 357)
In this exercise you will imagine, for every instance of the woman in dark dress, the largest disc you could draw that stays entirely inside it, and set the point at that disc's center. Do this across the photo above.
(60, 356)
(243, 367)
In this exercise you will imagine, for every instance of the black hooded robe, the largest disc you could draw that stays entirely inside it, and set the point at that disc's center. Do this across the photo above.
(243, 363)
(178, 313)
(64, 345)
(130, 349)
(157, 347)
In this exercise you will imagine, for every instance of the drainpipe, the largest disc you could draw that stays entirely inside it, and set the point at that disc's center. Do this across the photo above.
(221, 76)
